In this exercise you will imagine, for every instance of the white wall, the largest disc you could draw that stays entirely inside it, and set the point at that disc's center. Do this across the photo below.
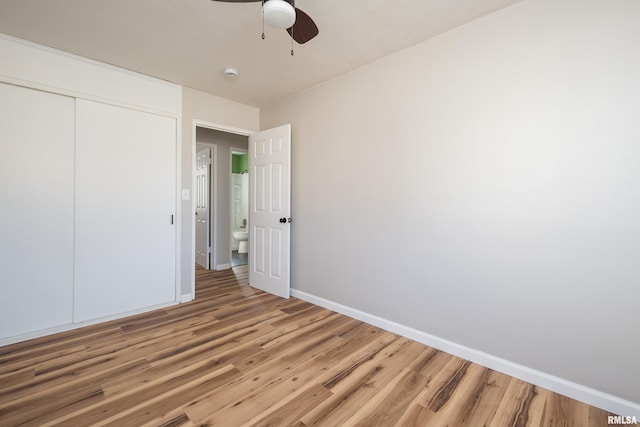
(482, 187)
(40, 67)
(203, 107)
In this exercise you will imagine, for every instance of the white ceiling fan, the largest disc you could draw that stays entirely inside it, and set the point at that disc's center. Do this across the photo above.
(284, 14)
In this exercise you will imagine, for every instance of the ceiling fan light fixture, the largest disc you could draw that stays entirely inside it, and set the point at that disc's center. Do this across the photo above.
(279, 14)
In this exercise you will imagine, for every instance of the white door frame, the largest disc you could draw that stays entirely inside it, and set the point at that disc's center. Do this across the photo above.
(196, 123)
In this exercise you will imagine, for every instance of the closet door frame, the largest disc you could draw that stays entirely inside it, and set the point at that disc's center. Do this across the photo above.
(40, 68)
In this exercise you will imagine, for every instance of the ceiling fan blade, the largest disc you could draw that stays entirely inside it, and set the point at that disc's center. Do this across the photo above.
(304, 29)
(238, 1)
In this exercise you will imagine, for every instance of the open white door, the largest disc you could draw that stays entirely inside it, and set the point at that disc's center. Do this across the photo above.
(269, 210)
(203, 161)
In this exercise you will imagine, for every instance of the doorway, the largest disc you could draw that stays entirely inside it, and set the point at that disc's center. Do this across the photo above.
(270, 211)
(222, 140)
(239, 207)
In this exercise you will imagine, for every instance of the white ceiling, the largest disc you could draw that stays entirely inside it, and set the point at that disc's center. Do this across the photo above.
(190, 42)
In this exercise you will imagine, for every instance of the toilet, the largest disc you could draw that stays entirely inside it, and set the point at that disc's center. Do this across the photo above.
(243, 238)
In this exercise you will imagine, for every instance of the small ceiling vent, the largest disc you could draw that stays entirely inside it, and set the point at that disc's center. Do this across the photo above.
(230, 72)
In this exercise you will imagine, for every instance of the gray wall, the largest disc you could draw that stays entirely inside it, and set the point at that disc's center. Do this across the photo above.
(221, 236)
(495, 200)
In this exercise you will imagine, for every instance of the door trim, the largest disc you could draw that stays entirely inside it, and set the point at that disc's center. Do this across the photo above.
(197, 123)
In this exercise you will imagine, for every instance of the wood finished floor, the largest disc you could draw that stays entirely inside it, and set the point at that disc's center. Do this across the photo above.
(237, 356)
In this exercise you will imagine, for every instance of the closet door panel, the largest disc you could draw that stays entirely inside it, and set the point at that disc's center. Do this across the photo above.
(125, 201)
(36, 215)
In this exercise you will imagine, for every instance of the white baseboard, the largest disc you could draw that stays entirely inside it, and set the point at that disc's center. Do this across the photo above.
(186, 297)
(71, 326)
(223, 266)
(558, 385)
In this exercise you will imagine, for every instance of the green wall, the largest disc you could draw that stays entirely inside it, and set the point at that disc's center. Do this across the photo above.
(239, 163)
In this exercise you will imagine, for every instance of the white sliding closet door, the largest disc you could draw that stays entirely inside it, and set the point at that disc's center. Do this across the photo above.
(36, 214)
(125, 206)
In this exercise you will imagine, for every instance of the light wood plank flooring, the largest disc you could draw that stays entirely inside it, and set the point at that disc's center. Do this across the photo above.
(237, 356)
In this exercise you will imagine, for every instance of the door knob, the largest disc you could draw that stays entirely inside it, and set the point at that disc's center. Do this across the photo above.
(283, 220)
